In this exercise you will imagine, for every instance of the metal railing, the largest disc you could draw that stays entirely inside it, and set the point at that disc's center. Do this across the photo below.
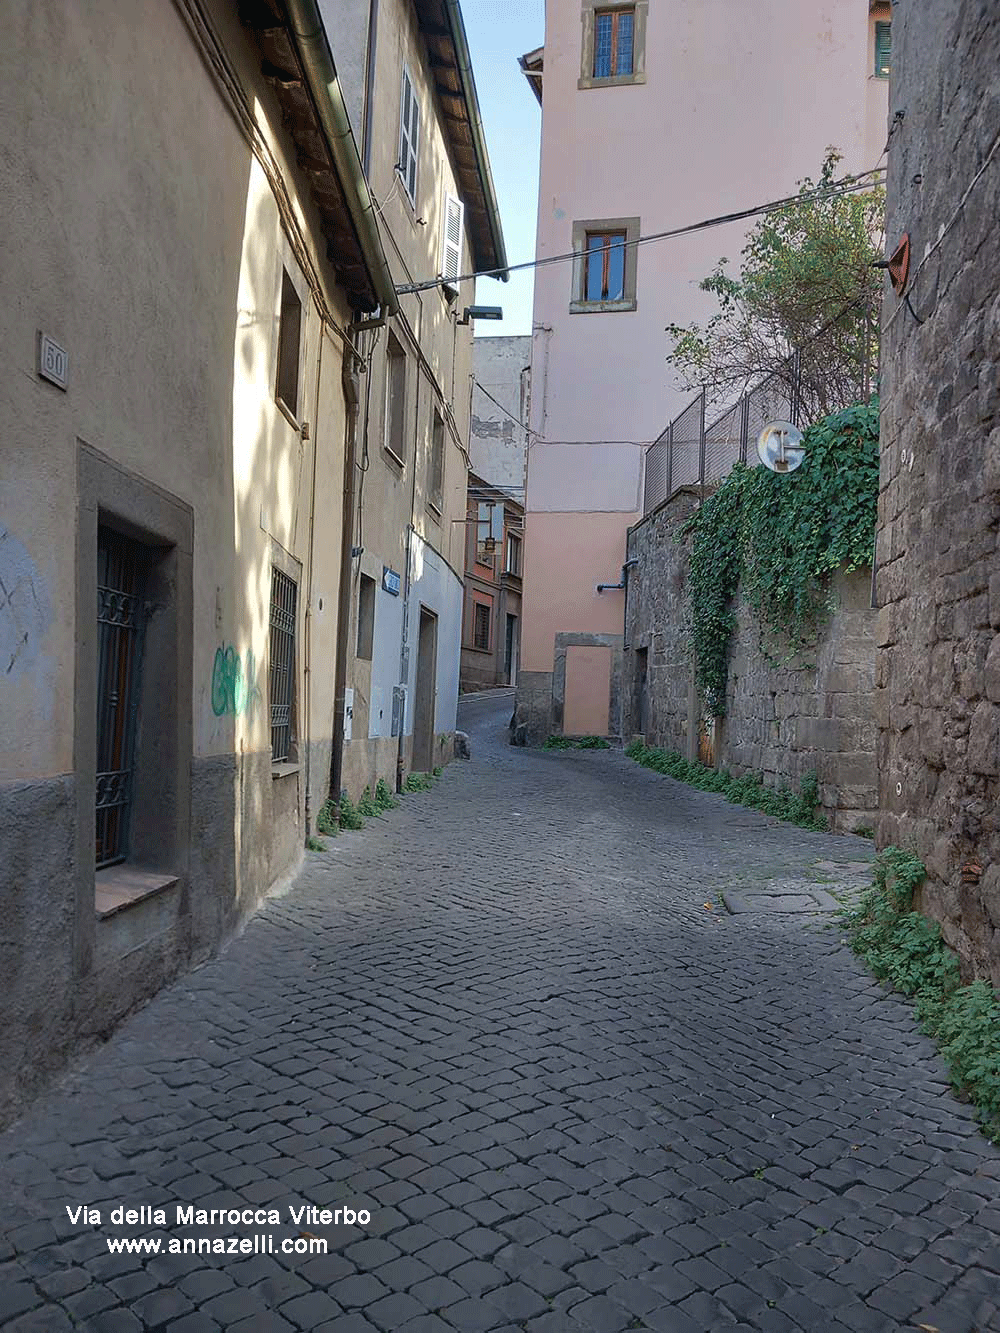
(693, 453)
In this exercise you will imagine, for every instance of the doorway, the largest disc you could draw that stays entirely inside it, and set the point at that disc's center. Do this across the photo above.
(642, 691)
(510, 652)
(425, 693)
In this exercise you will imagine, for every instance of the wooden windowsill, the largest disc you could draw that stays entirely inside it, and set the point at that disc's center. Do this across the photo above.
(122, 886)
(284, 770)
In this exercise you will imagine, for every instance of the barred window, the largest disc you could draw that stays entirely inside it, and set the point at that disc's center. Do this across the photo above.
(481, 627)
(281, 681)
(121, 573)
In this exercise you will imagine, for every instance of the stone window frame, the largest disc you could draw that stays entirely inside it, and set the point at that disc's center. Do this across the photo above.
(578, 304)
(588, 11)
(111, 495)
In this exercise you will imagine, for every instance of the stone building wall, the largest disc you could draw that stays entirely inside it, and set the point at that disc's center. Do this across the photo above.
(938, 579)
(814, 713)
(656, 642)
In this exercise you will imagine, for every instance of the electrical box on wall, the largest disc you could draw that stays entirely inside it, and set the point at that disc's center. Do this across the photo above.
(348, 713)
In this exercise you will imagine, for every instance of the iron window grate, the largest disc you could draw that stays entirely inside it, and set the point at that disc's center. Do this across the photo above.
(282, 671)
(481, 627)
(120, 582)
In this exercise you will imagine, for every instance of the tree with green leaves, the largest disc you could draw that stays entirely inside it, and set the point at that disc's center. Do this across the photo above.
(806, 285)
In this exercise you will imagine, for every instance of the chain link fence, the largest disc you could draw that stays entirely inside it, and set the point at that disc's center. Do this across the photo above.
(693, 453)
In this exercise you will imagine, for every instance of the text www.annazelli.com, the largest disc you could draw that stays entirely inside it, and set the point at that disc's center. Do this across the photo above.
(259, 1243)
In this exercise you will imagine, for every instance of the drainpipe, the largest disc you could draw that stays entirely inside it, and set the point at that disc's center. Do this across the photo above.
(404, 650)
(314, 432)
(321, 75)
(350, 380)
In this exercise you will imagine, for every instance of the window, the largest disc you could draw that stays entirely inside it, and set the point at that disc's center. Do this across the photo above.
(604, 266)
(284, 595)
(395, 399)
(366, 617)
(614, 32)
(436, 480)
(613, 45)
(883, 49)
(513, 554)
(289, 335)
(409, 137)
(451, 239)
(604, 275)
(481, 627)
(121, 577)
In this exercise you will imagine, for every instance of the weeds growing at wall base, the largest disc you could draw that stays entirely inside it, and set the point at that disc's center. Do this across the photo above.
(796, 807)
(344, 814)
(576, 743)
(905, 949)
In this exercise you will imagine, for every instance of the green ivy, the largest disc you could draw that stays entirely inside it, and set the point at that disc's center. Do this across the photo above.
(797, 807)
(780, 538)
(905, 949)
(384, 798)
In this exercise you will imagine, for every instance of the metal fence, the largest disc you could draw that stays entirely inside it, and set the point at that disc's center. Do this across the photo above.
(693, 453)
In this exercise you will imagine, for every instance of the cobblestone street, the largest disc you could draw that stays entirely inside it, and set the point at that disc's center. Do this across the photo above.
(514, 1021)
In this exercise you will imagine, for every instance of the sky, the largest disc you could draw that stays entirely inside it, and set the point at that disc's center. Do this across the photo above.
(499, 31)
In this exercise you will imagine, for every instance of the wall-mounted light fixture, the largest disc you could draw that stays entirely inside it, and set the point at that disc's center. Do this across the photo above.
(481, 312)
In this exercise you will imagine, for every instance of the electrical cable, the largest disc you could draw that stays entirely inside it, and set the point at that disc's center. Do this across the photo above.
(943, 232)
(850, 185)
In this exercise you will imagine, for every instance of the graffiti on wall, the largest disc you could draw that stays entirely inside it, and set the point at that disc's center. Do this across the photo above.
(24, 608)
(234, 683)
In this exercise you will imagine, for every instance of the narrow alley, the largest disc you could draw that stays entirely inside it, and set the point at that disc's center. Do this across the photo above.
(514, 1022)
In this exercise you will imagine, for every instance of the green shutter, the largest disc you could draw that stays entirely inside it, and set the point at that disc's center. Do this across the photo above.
(883, 46)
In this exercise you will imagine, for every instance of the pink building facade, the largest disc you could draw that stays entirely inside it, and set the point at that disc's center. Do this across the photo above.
(654, 116)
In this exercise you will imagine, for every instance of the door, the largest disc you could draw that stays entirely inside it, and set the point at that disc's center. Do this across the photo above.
(425, 693)
(510, 654)
(588, 691)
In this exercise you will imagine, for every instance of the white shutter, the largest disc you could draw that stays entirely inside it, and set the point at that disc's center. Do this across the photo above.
(451, 246)
(409, 136)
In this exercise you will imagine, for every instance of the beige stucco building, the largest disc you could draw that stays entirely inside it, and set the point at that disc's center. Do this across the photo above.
(654, 116)
(190, 249)
(412, 99)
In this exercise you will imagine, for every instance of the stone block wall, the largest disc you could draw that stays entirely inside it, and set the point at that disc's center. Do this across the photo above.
(656, 636)
(938, 571)
(814, 713)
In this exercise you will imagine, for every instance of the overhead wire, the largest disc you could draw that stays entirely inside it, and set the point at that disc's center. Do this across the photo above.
(849, 185)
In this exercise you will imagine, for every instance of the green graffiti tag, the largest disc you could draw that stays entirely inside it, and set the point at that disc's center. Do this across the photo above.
(234, 686)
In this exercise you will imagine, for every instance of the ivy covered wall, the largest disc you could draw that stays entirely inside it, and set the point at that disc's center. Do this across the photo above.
(750, 637)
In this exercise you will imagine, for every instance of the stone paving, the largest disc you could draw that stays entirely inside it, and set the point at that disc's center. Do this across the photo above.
(514, 1021)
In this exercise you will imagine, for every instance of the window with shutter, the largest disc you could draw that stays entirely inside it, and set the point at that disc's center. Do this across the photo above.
(451, 248)
(409, 137)
(883, 47)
